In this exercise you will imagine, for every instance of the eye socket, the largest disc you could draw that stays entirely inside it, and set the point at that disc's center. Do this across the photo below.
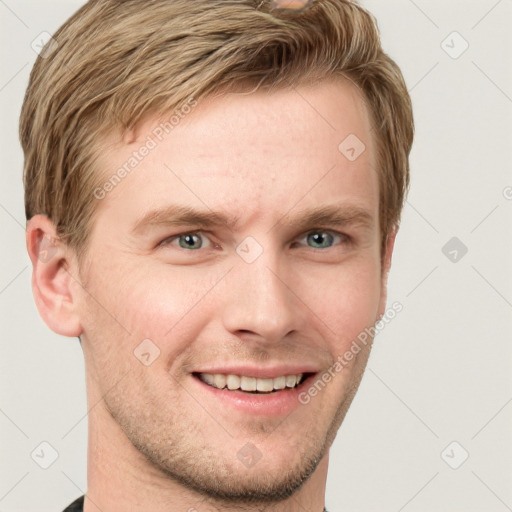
(188, 238)
(192, 240)
(330, 236)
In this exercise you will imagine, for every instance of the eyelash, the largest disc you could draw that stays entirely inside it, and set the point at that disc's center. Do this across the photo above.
(345, 239)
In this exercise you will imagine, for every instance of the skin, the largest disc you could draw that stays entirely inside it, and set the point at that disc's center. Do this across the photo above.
(156, 439)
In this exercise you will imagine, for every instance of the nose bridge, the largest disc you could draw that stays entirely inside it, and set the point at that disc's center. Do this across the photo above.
(258, 298)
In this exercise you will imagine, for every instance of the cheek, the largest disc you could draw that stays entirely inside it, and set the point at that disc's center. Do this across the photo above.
(347, 300)
(131, 301)
(161, 299)
(160, 303)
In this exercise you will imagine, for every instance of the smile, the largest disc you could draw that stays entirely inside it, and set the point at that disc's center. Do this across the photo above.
(251, 384)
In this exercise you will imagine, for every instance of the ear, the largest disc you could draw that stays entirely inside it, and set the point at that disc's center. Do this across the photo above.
(385, 267)
(53, 271)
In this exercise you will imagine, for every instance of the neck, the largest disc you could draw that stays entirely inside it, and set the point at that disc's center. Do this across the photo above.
(121, 478)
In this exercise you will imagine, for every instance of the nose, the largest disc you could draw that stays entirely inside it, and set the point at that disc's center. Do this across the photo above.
(260, 302)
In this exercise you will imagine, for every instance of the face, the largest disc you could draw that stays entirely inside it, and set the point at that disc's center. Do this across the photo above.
(226, 274)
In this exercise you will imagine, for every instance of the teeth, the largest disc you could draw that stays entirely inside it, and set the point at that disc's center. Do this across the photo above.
(219, 380)
(208, 378)
(265, 385)
(291, 380)
(250, 384)
(280, 382)
(233, 381)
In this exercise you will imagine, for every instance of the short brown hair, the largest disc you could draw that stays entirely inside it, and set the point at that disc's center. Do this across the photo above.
(115, 61)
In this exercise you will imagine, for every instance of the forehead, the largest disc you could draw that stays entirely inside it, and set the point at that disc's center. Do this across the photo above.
(252, 152)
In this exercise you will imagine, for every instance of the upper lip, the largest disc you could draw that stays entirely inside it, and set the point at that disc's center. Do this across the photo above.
(269, 372)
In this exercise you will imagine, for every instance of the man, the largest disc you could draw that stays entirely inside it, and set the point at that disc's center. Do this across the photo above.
(213, 191)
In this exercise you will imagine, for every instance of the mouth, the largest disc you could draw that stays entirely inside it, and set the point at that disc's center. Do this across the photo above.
(252, 385)
(241, 392)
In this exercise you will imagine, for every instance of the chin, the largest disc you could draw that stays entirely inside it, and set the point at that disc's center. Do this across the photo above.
(239, 485)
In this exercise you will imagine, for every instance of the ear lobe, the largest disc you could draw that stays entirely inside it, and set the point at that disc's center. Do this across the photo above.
(51, 278)
(386, 266)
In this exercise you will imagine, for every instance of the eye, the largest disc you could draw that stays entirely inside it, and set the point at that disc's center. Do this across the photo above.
(192, 240)
(323, 239)
(317, 239)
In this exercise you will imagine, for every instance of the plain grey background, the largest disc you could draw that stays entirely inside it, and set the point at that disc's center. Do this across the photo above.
(438, 387)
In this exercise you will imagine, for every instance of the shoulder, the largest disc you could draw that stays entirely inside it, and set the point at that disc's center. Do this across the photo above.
(76, 506)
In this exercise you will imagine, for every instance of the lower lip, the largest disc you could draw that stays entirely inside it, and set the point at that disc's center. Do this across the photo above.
(277, 403)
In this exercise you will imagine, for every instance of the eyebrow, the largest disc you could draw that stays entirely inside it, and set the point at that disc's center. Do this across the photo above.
(181, 215)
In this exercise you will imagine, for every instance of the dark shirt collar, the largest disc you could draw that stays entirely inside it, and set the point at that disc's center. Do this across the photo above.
(78, 506)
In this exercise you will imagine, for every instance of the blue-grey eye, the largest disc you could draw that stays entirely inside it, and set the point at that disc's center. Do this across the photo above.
(190, 241)
(320, 239)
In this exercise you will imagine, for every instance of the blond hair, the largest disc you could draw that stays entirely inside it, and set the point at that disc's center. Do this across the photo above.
(114, 62)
